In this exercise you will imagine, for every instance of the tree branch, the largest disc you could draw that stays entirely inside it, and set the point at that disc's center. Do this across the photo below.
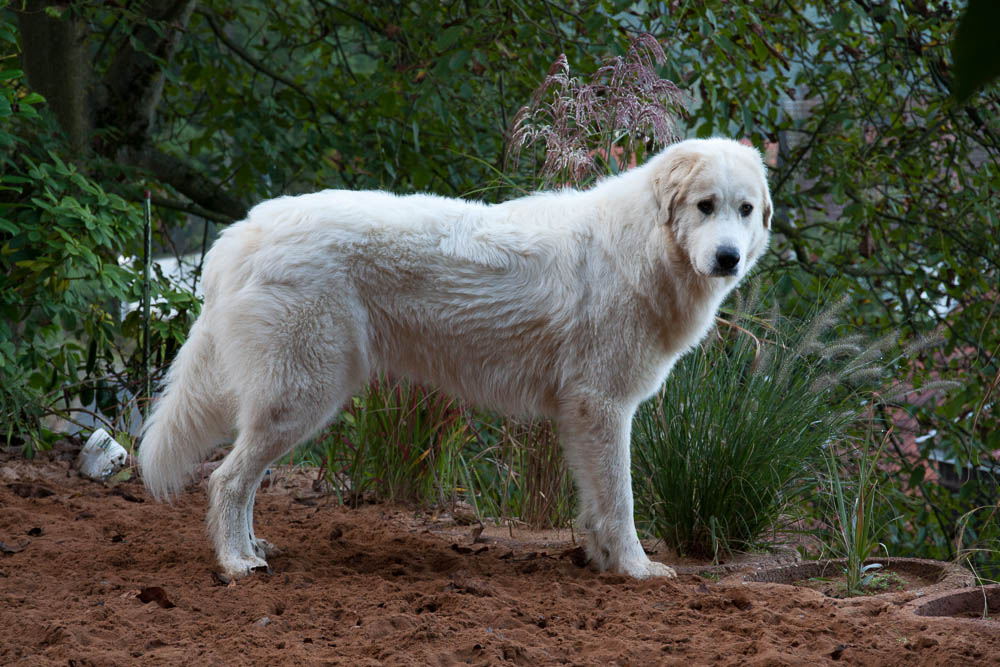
(264, 69)
(209, 199)
(190, 208)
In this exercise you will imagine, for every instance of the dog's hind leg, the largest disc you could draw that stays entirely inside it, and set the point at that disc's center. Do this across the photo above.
(231, 489)
(261, 547)
(596, 439)
(291, 386)
(233, 486)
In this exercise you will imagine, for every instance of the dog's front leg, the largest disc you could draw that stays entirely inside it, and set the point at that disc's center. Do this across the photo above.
(596, 440)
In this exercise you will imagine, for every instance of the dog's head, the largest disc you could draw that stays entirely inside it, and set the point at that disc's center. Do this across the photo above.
(713, 198)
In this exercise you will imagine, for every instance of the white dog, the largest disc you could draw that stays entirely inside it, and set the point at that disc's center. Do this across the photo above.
(572, 304)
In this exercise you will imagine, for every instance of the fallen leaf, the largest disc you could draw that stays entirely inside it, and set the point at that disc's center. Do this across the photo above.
(120, 491)
(577, 556)
(157, 595)
(26, 490)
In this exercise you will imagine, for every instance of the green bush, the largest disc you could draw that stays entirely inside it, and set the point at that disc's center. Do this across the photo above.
(63, 342)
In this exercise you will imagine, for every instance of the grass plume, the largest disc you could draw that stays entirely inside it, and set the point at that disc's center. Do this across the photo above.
(598, 126)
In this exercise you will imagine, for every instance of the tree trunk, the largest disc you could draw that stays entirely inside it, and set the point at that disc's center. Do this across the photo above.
(56, 64)
(133, 86)
(116, 116)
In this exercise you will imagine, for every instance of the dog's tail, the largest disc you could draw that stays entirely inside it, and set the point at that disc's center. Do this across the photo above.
(188, 420)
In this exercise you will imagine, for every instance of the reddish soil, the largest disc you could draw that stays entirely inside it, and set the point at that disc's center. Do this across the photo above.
(100, 575)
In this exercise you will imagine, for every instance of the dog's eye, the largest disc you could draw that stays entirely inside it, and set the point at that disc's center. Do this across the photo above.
(706, 206)
(745, 210)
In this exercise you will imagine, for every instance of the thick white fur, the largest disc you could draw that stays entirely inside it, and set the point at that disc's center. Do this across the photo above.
(573, 305)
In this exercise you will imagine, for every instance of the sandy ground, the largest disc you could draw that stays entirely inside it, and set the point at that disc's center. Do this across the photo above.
(100, 575)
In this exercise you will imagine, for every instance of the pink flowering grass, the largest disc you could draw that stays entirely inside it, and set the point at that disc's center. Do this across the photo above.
(599, 126)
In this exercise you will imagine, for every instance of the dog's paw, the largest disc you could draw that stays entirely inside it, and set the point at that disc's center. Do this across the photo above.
(237, 567)
(647, 569)
(263, 548)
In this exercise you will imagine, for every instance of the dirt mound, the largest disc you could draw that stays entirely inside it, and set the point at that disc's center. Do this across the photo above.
(99, 575)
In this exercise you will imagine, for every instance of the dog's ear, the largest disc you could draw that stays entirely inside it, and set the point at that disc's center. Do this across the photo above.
(671, 181)
(768, 209)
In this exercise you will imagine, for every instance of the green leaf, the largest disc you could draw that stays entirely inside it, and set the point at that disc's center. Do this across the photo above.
(458, 60)
(87, 394)
(840, 19)
(91, 357)
(449, 37)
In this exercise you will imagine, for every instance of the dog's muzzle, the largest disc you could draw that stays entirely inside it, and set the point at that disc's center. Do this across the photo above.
(727, 261)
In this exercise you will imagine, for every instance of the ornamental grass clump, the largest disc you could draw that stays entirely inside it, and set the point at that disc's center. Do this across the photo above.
(397, 441)
(731, 444)
(856, 512)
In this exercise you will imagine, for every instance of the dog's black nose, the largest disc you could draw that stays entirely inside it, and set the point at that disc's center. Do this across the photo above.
(727, 257)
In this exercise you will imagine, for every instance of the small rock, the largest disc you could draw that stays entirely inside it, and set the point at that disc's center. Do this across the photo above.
(926, 642)
(263, 621)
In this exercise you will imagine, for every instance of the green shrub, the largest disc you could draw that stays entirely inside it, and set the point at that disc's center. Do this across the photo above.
(63, 342)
